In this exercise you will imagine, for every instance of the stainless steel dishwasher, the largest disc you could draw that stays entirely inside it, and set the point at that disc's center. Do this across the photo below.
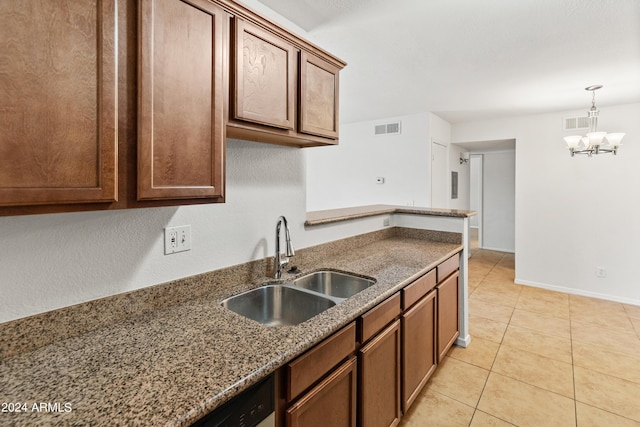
(253, 407)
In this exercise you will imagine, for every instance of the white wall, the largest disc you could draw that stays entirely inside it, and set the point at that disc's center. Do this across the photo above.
(572, 214)
(55, 260)
(439, 130)
(345, 175)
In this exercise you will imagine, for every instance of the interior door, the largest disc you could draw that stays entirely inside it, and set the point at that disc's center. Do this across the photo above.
(439, 190)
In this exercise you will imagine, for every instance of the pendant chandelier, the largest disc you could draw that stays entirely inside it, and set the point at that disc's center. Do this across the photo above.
(594, 142)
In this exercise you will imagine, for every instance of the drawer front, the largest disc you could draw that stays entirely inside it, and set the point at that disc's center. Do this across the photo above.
(416, 290)
(377, 318)
(447, 267)
(315, 363)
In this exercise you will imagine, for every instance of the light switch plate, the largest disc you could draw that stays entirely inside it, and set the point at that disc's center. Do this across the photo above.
(177, 239)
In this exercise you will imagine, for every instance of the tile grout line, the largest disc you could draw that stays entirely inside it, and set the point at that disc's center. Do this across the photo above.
(633, 324)
(486, 267)
(494, 358)
(515, 379)
(573, 366)
(571, 322)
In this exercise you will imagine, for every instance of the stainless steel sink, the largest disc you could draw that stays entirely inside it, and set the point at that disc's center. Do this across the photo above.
(278, 305)
(333, 283)
(291, 303)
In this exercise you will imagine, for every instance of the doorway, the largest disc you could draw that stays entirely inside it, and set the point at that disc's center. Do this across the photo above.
(476, 162)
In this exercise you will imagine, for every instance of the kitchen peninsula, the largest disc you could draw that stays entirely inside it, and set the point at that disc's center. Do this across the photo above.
(170, 354)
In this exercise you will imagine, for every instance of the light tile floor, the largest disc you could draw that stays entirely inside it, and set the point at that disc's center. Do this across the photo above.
(536, 358)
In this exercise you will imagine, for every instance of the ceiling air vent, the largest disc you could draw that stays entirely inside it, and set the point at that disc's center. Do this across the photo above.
(388, 129)
(573, 123)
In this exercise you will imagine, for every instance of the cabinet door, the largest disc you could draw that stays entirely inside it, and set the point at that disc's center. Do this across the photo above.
(418, 348)
(181, 97)
(265, 77)
(330, 403)
(380, 379)
(58, 121)
(318, 96)
(448, 322)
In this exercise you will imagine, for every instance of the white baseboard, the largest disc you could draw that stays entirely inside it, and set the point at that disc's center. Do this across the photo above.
(580, 292)
(463, 341)
(498, 249)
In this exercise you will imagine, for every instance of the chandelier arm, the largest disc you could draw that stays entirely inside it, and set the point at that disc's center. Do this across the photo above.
(592, 142)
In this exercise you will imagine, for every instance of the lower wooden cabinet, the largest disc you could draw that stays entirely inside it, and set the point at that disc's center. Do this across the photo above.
(330, 403)
(372, 370)
(380, 379)
(418, 347)
(448, 321)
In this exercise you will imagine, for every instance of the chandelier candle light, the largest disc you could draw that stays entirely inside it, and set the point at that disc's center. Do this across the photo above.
(595, 142)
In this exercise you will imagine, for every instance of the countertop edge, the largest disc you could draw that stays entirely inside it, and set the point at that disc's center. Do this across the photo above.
(344, 214)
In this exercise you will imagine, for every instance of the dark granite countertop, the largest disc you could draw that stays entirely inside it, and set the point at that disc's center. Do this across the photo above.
(172, 365)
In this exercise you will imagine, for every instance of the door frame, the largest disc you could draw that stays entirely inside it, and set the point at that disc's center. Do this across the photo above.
(477, 160)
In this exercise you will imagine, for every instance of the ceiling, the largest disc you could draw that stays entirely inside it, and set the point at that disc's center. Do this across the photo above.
(487, 146)
(468, 60)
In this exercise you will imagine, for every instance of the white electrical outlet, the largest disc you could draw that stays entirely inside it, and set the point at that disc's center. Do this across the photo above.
(385, 222)
(601, 272)
(177, 239)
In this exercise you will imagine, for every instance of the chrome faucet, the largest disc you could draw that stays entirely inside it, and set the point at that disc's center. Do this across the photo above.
(280, 261)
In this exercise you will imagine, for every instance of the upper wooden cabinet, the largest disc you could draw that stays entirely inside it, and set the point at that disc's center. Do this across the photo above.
(264, 78)
(58, 109)
(318, 96)
(115, 104)
(282, 92)
(180, 102)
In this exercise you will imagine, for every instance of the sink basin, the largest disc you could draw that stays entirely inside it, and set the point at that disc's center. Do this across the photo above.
(333, 283)
(278, 305)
